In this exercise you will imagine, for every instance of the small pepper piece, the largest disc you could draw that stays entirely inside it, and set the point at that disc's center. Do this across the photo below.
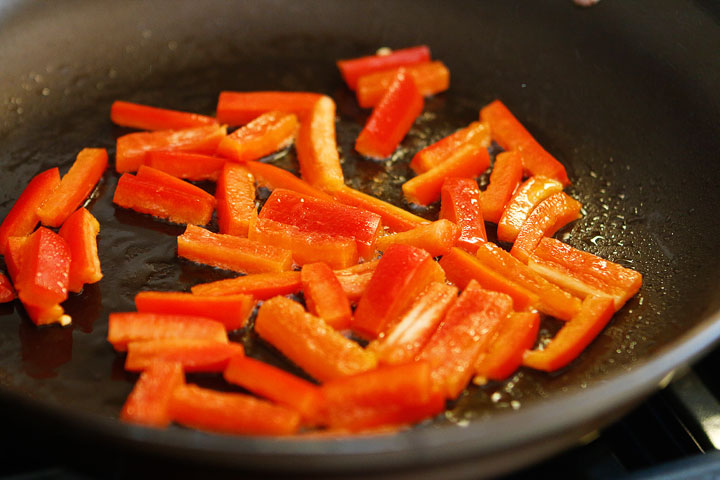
(437, 238)
(144, 117)
(510, 134)
(185, 165)
(309, 342)
(80, 232)
(574, 336)
(22, 218)
(235, 195)
(316, 147)
(260, 285)
(460, 203)
(324, 296)
(149, 401)
(505, 177)
(354, 68)
(273, 177)
(504, 355)
(527, 196)
(391, 118)
(430, 78)
(195, 355)
(44, 273)
(13, 256)
(232, 311)
(477, 133)
(239, 108)
(394, 218)
(268, 133)
(7, 292)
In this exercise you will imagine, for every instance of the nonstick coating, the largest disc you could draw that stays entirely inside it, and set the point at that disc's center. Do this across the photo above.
(623, 93)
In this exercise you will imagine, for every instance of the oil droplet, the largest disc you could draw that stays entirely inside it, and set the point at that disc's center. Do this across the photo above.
(45, 92)
(172, 45)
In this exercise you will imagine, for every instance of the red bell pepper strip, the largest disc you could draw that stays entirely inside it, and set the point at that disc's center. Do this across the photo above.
(232, 253)
(276, 385)
(316, 147)
(468, 161)
(309, 342)
(405, 340)
(510, 134)
(527, 196)
(324, 296)
(195, 355)
(222, 412)
(13, 255)
(235, 195)
(437, 238)
(74, 187)
(574, 336)
(354, 285)
(132, 148)
(354, 68)
(7, 292)
(260, 285)
(552, 300)
(148, 403)
(460, 203)
(505, 177)
(394, 218)
(430, 78)
(548, 217)
(468, 325)
(43, 278)
(583, 273)
(232, 311)
(80, 232)
(462, 267)
(144, 117)
(186, 165)
(505, 353)
(273, 177)
(239, 108)
(22, 218)
(311, 214)
(166, 180)
(477, 133)
(402, 273)
(127, 327)
(391, 118)
(268, 133)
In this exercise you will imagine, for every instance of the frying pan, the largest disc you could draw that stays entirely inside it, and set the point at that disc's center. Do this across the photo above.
(623, 93)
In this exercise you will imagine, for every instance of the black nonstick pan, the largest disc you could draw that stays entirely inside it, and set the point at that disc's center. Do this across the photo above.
(623, 93)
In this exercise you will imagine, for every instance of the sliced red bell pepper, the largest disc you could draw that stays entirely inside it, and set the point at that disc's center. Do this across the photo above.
(332, 218)
(148, 403)
(510, 134)
(144, 117)
(43, 278)
(309, 342)
(354, 68)
(222, 412)
(430, 78)
(583, 273)
(186, 165)
(504, 355)
(163, 179)
(460, 203)
(239, 108)
(548, 217)
(80, 231)
(527, 196)
(505, 177)
(273, 177)
(268, 133)
(128, 327)
(235, 194)
(22, 218)
(437, 238)
(402, 273)
(132, 148)
(195, 355)
(477, 133)
(391, 118)
(316, 147)
(232, 253)
(276, 385)
(468, 161)
(7, 292)
(306, 247)
(324, 296)
(260, 285)
(552, 300)
(354, 285)
(13, 255)
(394, 218)
(232, 311)
(468, 325)
(406, 339)
(461, 267)
(574, 336)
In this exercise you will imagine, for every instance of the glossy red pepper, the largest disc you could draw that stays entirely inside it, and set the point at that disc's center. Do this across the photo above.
(144, 117)
(260, 285)
(7, 292)
(239, 108)
(430, 78)
(477, 133)
(437, 238)
(148, 403)
(505, 353)
(505, 177)
(354, 68)
(186, 165)
(195, 355)
(324, 296)
(235, 195)
(80, 231)
(268, 133)
(460, 203)
(394, 218)
(44, 275)
(527, 196)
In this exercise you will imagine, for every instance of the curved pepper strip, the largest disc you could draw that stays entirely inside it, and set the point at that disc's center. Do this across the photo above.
(527, 196)
(316, 147)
